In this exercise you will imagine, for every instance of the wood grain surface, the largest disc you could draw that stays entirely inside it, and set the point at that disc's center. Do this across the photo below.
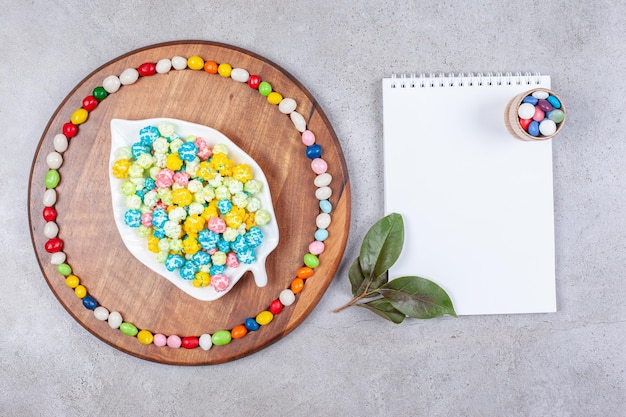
(94, 247)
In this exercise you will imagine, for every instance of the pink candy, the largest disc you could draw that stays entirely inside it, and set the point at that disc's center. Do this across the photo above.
(319, 166)
(308, 138)
(159, 340)
(231, 260)
(217, 225)
(146, 219)
(204, 152)
(181, 178)
(316, 247)
(164, 179)
(220, 282)
(174, 341)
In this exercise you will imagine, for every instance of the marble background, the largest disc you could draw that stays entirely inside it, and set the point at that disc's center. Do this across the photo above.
(570, 363)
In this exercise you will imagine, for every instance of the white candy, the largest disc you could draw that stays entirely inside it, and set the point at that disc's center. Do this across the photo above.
(287, 297)
(526, 111)
(287, 105)
(298, 121)
(101, 313)
(58, 258)
(129, 76)
(323, 193)
(111, 84)
(323, 180)
(54, 160)
(179, 63)
(49, 197)
(547, 127)
(240, 75)
(541, 95)
(322, 221)
(164, 66)
(115, 320)
(205, 341)
(60, 143)
(50, 230)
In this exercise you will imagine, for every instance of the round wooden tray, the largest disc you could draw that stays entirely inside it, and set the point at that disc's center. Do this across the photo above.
(94, 247)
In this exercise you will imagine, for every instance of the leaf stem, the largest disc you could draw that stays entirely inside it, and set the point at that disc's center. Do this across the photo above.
(355, 300)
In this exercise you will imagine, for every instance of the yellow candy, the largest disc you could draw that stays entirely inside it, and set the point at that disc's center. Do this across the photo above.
(224, 70)
(205, 171)
(173, 162)
(79, 116)
(235, 217)
(80, 291)
(195, 63)
(274, 97)
(182, 197)
(145, 337)
(72, 281)
(210, 211)
(191, 245)
(194, 223)
(153, 244)
(250, 220)
(120, 168)
(202, 279)
(242, 172)
(264, 317)
(222, 164)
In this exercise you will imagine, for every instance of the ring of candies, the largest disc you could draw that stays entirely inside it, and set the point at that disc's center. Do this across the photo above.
(129, 76)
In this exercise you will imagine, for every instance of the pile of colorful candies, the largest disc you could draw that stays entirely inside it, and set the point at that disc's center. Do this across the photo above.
(196, 207)
(540, 114)
(54, 160)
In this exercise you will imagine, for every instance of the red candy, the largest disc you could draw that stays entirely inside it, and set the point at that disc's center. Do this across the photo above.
(147, 68)
(70, 130)
(90, 103)
(190, 342)
(49, 214)
(524, 123)
(254, 81)
(276, 307)
(54, 245)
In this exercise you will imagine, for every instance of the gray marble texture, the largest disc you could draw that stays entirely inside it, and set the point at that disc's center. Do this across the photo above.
(570, 363)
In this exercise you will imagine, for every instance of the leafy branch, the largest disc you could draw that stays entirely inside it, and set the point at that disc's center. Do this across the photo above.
(410, 296)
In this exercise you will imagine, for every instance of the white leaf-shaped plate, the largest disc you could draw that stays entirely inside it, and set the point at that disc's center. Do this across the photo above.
(125, 133)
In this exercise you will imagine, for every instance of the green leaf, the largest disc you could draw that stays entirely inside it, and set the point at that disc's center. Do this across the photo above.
(381, 248)
(384, 309)
(417, 297)
(356, 277)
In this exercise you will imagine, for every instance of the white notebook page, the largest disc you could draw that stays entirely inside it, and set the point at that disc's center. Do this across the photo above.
(477, 203)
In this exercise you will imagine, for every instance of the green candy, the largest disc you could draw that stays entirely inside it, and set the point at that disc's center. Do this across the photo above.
(265, 88)
(311, 260)
(129, 329)
(64, 269)
(99, 93)
(52, 178)
(221, 338)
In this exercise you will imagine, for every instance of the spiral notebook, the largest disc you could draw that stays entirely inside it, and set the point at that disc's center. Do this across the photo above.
(477, 203)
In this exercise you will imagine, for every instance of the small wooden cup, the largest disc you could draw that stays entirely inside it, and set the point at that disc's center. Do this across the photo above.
(511, 119)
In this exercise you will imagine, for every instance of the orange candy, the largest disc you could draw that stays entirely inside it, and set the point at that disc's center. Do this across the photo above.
(304, 272)
(238, 331)
(211, 67)
(297, 285)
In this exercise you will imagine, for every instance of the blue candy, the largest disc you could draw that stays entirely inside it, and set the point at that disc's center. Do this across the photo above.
(556, 103)
(314, 151)
(239, 244)
(89, 302)
(138, 148)
(208, 239)
(201, 258)
(326, 206)
(132, 218)
(188, 271)
(533, 128)
(159, 233)
(254, 237)
(223, 246)
(217, 269)
(149, 184)
(224, 206)
(530, 99)
(174, 262)
(321, 234)
(246, 256)
(148, 134)
(159, 217)
(251, 324)
(188, 151)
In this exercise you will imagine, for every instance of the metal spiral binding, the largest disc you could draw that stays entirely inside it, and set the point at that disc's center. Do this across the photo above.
(470, 79)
